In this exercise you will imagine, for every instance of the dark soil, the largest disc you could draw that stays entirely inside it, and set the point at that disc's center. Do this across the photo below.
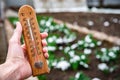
(82, 20)
(92, 71)
(98, 19)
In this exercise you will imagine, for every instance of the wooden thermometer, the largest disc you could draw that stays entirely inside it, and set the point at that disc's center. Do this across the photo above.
(32, 39)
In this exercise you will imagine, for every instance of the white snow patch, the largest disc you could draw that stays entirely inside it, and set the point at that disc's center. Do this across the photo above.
(90, 23)
(106, 23)
(115, 20)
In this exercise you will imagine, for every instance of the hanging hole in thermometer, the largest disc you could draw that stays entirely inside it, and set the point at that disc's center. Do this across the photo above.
(33, 40)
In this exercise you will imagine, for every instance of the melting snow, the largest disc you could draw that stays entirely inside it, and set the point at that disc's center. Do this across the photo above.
(106, 23)
(90, 23)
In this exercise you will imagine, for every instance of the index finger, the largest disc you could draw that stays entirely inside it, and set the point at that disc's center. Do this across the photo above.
(43, 35)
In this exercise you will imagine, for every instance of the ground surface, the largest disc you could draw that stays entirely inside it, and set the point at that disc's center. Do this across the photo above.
(107, 23)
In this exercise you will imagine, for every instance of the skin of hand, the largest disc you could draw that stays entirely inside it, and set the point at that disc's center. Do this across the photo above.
(17, 66)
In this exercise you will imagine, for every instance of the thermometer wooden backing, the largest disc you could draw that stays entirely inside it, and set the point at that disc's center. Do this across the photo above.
(32, 39)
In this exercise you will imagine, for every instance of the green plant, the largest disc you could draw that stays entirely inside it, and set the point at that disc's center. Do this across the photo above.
(67, 51)
(42, 77)
(108, 55)
(80, 76)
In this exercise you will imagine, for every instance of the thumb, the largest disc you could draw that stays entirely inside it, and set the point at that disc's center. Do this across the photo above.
(17, 34)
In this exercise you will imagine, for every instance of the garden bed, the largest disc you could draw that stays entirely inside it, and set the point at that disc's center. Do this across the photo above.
(65, 44)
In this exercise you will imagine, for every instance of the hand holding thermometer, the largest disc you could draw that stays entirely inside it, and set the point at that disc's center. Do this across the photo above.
(32, 39)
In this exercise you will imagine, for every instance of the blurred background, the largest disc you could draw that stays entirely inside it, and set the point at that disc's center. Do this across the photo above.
(83, 41)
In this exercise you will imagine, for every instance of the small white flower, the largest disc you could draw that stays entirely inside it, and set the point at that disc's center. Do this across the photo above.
(86, 65)
(112, 69)
(102, 66)
(88, 39)
(46, 30)
(83, 57)
(63, 65)
(54, 63)
(86, 44)
(105, 57)
(77, 58)
(51, 28)
(98, 56)
(77, 75)
(50, 39)
(71, 53)
(81, 63)
(116, 48)
(61, 48)
(96, 79)
(59, 40)
(87, 51)
(70, 39)
(67, 49)
(80, 42)
(74, 59)
(103, 50)
(48, 23)
(66, 31)
(54, 37)
(42, 22)
(74, 46)
(92, 45)
(99, 43)
(112, 54)
(51, 48)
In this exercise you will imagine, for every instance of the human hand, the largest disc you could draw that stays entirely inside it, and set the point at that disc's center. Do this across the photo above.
(17, 53)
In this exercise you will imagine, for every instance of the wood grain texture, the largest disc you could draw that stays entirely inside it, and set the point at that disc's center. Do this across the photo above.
(27, 12)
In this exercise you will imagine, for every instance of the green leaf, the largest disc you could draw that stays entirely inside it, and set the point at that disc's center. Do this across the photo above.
(42, 77)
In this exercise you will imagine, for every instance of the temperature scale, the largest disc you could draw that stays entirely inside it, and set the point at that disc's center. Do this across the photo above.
(32, 39)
